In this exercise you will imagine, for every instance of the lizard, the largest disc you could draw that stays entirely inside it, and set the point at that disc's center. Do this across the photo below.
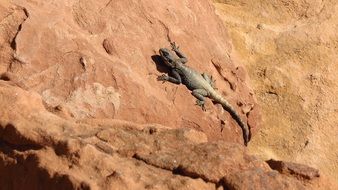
(201, 85)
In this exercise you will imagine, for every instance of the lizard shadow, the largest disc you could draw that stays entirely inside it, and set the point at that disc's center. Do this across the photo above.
(160, 66)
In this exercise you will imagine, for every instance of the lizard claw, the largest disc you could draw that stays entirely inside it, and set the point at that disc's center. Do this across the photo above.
(174, 47)
(213, 82)
(163, 78)
(201, 104)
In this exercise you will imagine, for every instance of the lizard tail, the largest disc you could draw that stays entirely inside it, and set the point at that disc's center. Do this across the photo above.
(245, 129)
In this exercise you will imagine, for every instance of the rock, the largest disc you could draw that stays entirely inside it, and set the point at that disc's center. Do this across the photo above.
(298, 170)
(46, 151)
(41, 150)
(289, 49)
(11, 19)
(109, 46)
(81, 107)
(97, 60)
(209, 161)
(259, 179)
(49, 151)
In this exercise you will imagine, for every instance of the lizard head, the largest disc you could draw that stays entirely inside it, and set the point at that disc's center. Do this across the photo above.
(167, 57)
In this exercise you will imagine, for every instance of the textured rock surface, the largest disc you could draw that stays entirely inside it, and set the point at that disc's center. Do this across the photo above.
(290, 50)
(97, 59)
(77, 75)
(268, 180)
(41, 150)
(298, 170)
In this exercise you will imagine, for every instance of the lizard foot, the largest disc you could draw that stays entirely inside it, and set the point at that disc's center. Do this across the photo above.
(174, 47)
(201, 104)
(213, 82)
(163, 78)
(210, 80)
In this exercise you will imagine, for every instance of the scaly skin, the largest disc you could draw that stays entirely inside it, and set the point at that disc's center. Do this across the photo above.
(201, 85)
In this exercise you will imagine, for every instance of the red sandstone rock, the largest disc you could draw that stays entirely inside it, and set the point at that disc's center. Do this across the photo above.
(75, 74)
(41, 150)
(90, 59)
(259, 179)
(298, 170)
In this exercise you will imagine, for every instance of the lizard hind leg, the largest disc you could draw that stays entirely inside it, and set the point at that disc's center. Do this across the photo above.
(200, 94)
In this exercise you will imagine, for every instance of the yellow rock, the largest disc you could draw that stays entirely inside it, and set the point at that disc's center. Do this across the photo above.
(290, 49)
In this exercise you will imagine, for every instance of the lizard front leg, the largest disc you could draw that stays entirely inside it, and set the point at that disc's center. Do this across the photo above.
(175, 78)
(200, 94)
(182, 58)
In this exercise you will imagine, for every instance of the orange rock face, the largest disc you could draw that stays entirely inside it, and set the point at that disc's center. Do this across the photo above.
(77, 75)
(39, 150)
(92, 59)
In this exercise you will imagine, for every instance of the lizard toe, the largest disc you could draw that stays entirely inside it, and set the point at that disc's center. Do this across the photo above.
(201, 104)
(163, 78)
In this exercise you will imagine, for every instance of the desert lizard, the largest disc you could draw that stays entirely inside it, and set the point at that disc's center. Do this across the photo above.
(201, 85)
